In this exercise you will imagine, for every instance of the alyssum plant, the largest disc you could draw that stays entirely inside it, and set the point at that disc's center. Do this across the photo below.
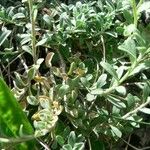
(78, 91)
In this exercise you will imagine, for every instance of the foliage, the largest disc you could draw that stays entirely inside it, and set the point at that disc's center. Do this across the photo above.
(80, 70)
(13, 120)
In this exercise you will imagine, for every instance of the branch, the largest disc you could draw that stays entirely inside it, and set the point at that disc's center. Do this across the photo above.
(137, 109)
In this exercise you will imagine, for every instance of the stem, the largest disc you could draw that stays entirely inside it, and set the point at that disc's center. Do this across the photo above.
(104, 49)
(125, 77)
(17, 140)
(133, 3)
(128, 72)
(89, 142)
(63, 65)
(136, 110)
(135, 148)
(139, 4)
(33, 34)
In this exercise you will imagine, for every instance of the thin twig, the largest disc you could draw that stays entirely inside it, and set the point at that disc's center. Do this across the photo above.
(104, 49)
(89, 143)
(63, 65)
(33, 34)
(136, 110)
(17, 140)
(126, 148)
(135, 148)
(12, 61)
(43, 144)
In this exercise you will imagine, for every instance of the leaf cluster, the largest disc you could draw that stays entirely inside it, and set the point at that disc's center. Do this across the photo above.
(83, 73)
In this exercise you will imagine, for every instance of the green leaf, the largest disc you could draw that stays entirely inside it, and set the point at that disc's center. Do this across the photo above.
(146, 91)
(63, 90)
(60, 140)
(12, 114)
(3, 36)
(130, 101)
(85, 82)
(78, 146)
(42, 42)
(142, 66)
(115, 110)
(116, 131)
(66, 147)
(72, 68)
(66, 132)
(32, 100)
(18, 16)
(31, 73)
(134, 121)
(90, 97)
(97, 120)
(27, 49)
(101, 80)
(72, 138)
(120, 71)
(19, 82)
(128, 16)
(145, 110)
(97, 91)
(35, 12)
(118, 103)
(129, 47)
(47, 19)
(109, 69)
(121, 90)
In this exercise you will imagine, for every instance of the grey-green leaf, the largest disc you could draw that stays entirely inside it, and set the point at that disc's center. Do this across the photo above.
(3, 36)
(109, 69)
(67, 147)
(63, 90)
(78, 146)
(72, 138)
(90, 97)
(60, 140)
(129, 47)
(146, 91)
(101, 80)
(116, 131)
(117, 102)
(18, 16)
(32, 100)
(121, 90)
(97, 91)
(145, 110)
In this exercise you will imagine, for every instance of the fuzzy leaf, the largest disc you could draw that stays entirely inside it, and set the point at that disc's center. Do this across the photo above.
(109, 69)
(145, 110)
(90, 97)
(32, 100)
(67, 147)
(78, 146)
(63, 90)
(118, 103)
(116, 131)
(101, 80)
(97, 91)
(121, 90)
(3, 36)
(129, 47)
(72, 138)
(60, 140)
